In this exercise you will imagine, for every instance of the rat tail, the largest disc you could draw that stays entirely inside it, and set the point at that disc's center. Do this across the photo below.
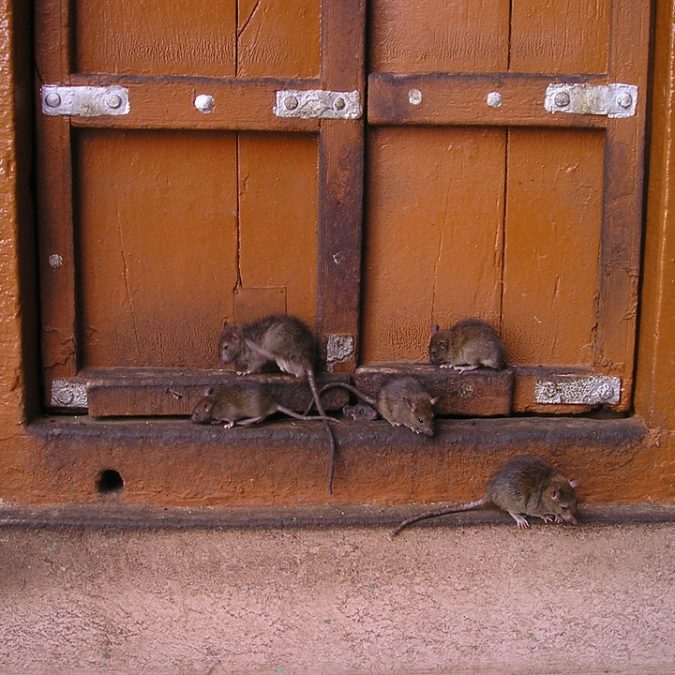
(311, 379)
(444, 510)
(341, 385)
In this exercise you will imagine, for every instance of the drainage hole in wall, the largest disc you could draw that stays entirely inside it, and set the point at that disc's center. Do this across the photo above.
(109, 481)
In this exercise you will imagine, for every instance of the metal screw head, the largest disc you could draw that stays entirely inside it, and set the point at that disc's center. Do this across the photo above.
(494, 99)
(291, 102)
(415, 96)
(204, 103)
(113, 101)
(562, 99)
(606, 392)
(549, 390)
(55, 260)
(624, 99)
(339, 103)
(53, 100)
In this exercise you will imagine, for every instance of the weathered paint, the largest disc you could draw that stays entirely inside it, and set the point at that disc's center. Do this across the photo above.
(55, 461)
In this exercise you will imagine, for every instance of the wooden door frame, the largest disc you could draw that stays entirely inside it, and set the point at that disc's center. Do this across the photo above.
(55, 461)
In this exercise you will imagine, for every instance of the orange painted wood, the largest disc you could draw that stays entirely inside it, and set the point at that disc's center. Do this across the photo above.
(477, 393)
(238, 104)
(124, 392)
(157, 246)
(561, 36)
(54, 203)
(278, 39)
(429, 36)
(278, 218)
(433, 246)
(459, 99)
(553, 233)
(154, 37)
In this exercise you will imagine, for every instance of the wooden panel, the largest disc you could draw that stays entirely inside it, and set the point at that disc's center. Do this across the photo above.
(156, 37)
(278, 217)
(560, 36)
(553, 222)
(157, 246)
(123, 392)
(281, 39)
(435, 35)
(477, 393)
(434, 237)
(462, 100)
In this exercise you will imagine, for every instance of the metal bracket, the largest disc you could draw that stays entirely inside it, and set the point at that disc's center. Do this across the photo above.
(338, 348)
(318, 103)
(84, 101)
(68, 394)
(612, 100)
(576, 390)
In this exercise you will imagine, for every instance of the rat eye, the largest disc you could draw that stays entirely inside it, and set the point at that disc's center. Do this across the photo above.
(420, 420)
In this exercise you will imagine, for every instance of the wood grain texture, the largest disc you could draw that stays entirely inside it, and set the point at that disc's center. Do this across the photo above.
(278, 39)
(438, 36)
(551, 259)
(434, 238)
(155, 37)
(561, 36)
(157, 246)
(278, 217)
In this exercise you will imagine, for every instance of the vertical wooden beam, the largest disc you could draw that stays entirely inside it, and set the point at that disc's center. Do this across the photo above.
(56, 248)
(621, 232)
(655, 376)
(341, 148)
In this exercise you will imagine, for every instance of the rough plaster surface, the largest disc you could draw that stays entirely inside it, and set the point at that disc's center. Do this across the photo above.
(437, 599)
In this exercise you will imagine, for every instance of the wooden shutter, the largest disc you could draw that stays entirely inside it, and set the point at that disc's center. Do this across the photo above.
(157, 225)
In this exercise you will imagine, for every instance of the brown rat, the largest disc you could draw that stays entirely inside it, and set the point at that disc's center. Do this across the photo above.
(523, 486)
(284, 340)
(467, 345)
(402, 401)
(361, 412)
(241, 403)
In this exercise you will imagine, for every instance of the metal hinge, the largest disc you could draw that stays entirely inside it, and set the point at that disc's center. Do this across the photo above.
(612, 100)
(68, 394)
(318, 103)
(84, 101)
(576, 390)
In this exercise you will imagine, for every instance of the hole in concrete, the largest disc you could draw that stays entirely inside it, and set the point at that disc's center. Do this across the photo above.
(109, 481)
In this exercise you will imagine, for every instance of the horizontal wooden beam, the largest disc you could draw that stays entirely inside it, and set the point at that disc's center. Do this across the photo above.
(443, 99)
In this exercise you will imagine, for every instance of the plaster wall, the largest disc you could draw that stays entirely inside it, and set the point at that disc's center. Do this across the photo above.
(436, 599)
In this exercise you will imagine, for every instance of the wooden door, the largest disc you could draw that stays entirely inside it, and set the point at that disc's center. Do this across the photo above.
(198, 205)
(481, 202)
(158, 224)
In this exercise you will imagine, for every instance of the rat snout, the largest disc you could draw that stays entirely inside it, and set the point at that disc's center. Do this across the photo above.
(569, 518)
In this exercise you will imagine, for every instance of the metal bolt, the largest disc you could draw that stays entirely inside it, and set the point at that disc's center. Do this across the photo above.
(494, 99)
(606, 392)
(55, 260)
(624, 99)
(113, 101)
(339, 103)
(65, 396)
(562, 99)
(549, 390)
(291, 102)
(204, 103)
(53, 100)
(415, 96)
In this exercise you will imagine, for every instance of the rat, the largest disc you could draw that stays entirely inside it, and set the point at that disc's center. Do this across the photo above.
(240, 403)
(402, 401)
(467, 345)
(523, 486)
(278, 339)
(361, 412)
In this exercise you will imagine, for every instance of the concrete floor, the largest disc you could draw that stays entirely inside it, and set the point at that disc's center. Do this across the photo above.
(437, 599)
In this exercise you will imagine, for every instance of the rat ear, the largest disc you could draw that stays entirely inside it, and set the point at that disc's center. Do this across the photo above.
(434, 329)
(555, 494)
(208, 391)
(435, 400)
(574, 483)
